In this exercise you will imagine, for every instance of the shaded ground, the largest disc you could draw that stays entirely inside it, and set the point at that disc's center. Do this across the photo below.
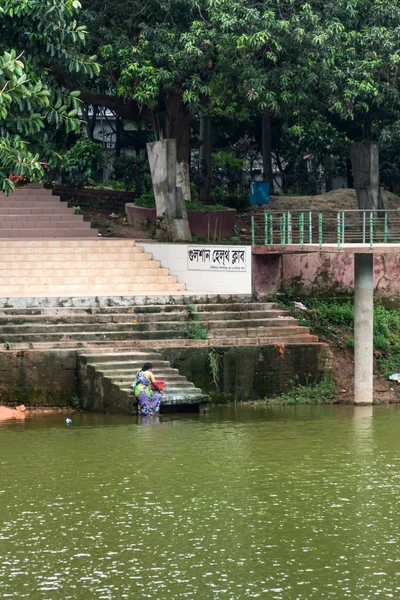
(344, 199)
(113, 222)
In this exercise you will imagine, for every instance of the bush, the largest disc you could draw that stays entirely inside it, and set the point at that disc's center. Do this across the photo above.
(335, 316)
(323, 392)
(134, 173)
(83, 161)
(195, 331)
(148, 201)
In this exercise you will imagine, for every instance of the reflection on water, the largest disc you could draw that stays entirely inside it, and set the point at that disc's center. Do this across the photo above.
(291, 503)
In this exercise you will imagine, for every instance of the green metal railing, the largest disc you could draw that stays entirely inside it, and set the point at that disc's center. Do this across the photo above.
(344, 227)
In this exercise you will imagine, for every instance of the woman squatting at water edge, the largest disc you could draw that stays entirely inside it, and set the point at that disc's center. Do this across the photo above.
(147, 392)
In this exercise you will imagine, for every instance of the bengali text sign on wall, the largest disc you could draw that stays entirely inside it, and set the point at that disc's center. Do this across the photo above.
(216, 258)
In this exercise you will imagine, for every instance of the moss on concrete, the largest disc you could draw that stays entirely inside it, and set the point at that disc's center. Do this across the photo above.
(38, 378)
(249, 373)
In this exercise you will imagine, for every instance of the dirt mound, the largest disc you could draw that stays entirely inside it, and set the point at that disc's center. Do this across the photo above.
(336, 200)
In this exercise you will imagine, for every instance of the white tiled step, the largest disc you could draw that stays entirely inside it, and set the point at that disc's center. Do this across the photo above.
(23, 234)
(127, 289)
(60, 278)
(74, 262)
(23, 191)
(18, 211)
(48, 245)
(45, 224)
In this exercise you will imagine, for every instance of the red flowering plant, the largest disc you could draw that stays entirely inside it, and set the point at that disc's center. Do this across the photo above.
(18, 180)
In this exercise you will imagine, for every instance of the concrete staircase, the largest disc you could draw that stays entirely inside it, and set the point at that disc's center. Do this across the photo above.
(107, 377)
(37, 214)
(150, 326)
(110, 343)
(84, 268)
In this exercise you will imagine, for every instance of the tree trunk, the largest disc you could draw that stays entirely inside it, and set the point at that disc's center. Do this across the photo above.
(267, 150)
(89, 122)
(349, 174)
(206, 149)
(178, 128)
(173, 225)
(117, 137)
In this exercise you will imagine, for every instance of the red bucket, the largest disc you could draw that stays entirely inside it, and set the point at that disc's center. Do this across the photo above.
(161, 385)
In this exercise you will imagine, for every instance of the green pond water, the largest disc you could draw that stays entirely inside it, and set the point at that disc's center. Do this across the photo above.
(285, 503)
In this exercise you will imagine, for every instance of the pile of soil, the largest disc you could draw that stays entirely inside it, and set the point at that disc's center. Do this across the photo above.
(336, 200)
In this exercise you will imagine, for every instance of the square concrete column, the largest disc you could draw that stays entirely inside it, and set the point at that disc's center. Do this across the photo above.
(363, 328)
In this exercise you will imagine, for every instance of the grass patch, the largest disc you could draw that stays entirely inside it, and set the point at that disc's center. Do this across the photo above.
(148, 201)
(323, 392)
(195, 331)
(333, 318)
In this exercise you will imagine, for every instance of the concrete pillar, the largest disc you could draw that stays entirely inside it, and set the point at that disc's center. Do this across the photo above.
(363, 328)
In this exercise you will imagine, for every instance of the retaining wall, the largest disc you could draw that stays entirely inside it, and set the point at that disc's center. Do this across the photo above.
(197, 279)
(321, 272)
(48, 378)
(38, 378)
(251, 373)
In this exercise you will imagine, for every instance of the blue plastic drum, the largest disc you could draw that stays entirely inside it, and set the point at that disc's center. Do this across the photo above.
(259, 192)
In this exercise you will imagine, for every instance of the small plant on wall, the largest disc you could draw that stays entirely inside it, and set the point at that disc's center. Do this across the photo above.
(194, 330)
(191, 310)
(213, 361)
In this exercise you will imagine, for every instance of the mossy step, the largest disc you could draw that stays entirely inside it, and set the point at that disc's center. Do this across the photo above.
(141, 309)
(126, 365)
(130, 317)
(170, 380)
(138, 327)
(173, 391)
(259, 331)
(90, 345)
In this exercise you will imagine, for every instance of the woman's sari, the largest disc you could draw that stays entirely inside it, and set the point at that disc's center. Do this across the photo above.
(148, 400)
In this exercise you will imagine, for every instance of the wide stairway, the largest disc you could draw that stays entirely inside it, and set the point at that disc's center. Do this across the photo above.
(152, 326)
(36, 214)
(113, 342)
(82, 267)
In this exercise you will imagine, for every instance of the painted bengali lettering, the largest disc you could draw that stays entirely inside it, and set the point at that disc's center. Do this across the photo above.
(216, 258)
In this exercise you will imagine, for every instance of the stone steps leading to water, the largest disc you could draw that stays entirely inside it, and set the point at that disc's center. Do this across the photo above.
(151, 326)
(104, 385)
(131, 317)
(175, 343)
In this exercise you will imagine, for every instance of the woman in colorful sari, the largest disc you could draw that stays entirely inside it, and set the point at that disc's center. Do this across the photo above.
(149, 400)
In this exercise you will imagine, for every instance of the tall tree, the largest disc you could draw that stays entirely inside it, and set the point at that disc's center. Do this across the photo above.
(34, 34)
(165, 60)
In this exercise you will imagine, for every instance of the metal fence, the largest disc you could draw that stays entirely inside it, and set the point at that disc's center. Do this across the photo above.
(344, 227)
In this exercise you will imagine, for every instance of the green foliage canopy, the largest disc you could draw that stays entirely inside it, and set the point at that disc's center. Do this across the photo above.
(36, 34)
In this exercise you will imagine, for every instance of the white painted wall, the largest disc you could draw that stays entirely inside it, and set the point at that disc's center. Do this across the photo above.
(175, 258)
